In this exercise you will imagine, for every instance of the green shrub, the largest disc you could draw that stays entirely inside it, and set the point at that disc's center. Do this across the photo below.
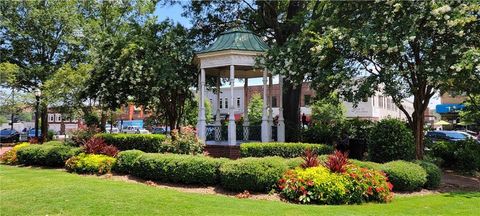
(50, 135)
(187, 169)
(53, 143)
(287, 150)
(53, 155)
(390, 139)
(90, 163)
(434, 174)
(252, 174)
(143, 142)
(366, 164)
(461, 155)
(126, 161)
(405, 176)
(184, 141)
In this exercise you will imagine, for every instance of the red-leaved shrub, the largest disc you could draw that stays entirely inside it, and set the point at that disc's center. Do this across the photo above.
(337, 162)
(310, 159)
(97, 145)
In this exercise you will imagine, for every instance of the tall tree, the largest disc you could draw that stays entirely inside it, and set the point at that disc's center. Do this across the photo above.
(401, 48)
(40, 37)
(277, 21)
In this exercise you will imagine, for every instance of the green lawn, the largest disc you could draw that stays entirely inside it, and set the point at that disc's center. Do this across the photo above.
(36, 191)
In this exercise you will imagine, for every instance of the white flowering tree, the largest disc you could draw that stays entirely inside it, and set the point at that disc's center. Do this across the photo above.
(402, 48)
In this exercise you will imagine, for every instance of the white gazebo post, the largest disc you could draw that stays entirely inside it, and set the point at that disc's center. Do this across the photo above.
(202, 124)
(265, 124)
(232, 130)
(217, 116)
(281, 121)
(270, 110)
(245, 111)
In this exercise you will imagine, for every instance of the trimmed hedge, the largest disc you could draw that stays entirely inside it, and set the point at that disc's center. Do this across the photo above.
(53, 155)
(144, 142)
(405, 176)
(366, 164)
(286, 150)
(126, 160)
(254, 174)
(187, 169)
(390, 140)
(90, 163)
(434, 174)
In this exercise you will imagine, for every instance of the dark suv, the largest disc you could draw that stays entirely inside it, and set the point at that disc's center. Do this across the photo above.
(9, 135)
(445, 136)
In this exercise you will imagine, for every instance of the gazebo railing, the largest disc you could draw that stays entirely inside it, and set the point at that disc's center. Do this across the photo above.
(220, 133)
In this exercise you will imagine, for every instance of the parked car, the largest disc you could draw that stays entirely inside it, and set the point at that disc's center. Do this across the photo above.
(9, 135)
(446, 136)
(31, 133)
(111, 129)
(160, 130)
(468, 135)
(135, 130)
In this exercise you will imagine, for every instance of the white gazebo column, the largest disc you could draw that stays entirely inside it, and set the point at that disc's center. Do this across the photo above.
(270, 110)
(217, 116)
(245, 111)
(232, 130)
(265, 124)
(202, 123)
(281, 120)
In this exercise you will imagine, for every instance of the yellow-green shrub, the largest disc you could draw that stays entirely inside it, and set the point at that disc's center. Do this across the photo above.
(10, 157)
(90, 163)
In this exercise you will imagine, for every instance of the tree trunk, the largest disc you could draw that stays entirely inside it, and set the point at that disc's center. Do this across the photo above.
(103, 120)
(43, 122)
(291, 105)
(418, 122)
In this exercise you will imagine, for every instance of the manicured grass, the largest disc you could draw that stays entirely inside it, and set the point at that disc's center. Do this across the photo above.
(36, 191)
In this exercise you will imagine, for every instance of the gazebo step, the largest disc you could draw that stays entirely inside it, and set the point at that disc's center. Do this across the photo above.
(228, 151)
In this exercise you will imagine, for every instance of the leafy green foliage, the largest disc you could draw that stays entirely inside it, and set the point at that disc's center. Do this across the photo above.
(175, 168)
(287, 150)
(252, 174)
(434, 174)
(143, 142)
(90, 163)
(126, 160)
(405, 176)
(390, 139)
(461, 155)
(255, 109)
(52, 155)
(184, 141)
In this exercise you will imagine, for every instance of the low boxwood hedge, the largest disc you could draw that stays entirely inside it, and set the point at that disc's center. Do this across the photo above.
(90, 163)
(434, 174)
(405, 176)
(126, 160)
(254, 174)
(48, 154)
(286, 150)
(187, 169)
(144, 142)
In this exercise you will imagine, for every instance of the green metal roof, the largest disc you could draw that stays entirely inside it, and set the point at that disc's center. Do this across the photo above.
(237, 39)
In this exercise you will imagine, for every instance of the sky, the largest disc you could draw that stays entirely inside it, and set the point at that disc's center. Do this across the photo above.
(174, 12)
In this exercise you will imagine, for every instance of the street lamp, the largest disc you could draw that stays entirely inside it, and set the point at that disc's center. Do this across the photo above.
(38, 94)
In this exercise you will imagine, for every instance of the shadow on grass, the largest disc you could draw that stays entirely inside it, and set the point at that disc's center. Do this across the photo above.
(463, 194)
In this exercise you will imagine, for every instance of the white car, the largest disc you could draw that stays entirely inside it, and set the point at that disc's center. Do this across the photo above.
(135, 130)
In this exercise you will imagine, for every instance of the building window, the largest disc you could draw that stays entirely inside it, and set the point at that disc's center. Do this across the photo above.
(274, 101)
(51, 117)
(380, 101)
(238, 102)
(306, 100)
(221, 104)
(373, 101)
(226, 103)
(58, 117)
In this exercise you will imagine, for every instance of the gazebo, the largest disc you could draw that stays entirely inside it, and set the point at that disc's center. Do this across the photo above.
(233, 56)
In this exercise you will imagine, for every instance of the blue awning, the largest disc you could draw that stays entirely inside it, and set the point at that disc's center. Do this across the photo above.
(449, 108)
